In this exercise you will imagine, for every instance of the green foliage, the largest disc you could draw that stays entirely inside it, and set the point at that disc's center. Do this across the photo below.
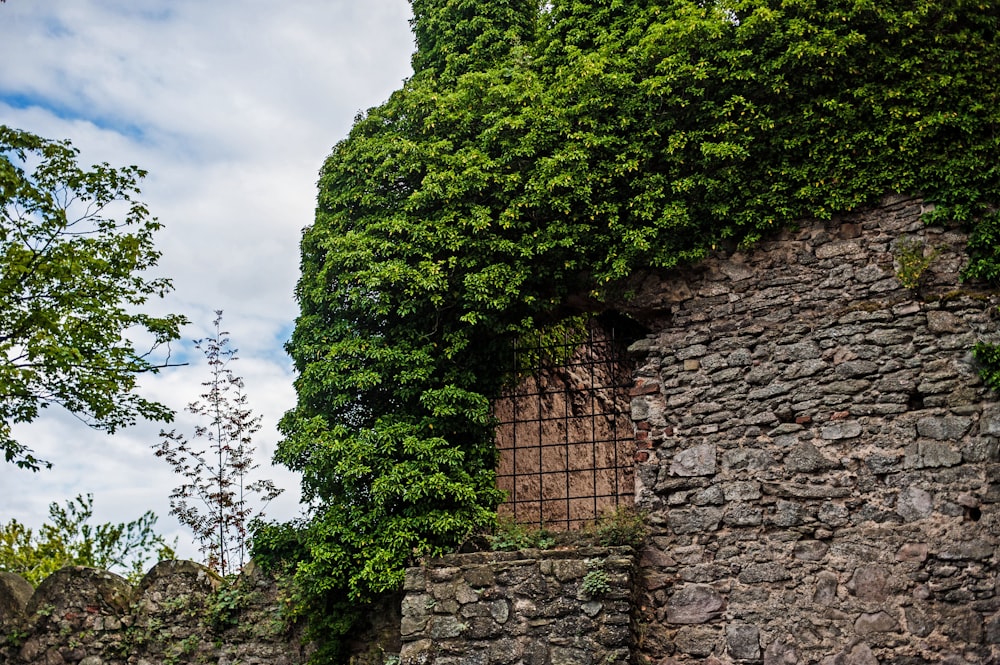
(596, 582)
(509, 535)
(552, 345)
(988, 357)
(512, 177)
(75, 245)
(913, 259)
(68, 539)
(226, 607)
(984, 250)
(623, 526)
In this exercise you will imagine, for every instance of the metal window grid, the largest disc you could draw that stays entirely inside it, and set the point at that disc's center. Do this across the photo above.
(565, 437)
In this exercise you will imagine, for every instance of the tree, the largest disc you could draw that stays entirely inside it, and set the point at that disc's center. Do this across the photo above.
(68, 539)
(72, 289)
(511, 182)
(214, 499)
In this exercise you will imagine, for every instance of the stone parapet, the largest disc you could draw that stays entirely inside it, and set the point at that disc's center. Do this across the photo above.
(535, 607)
(181, 612)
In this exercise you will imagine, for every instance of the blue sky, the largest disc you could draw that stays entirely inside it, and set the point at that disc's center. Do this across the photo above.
(231, 106)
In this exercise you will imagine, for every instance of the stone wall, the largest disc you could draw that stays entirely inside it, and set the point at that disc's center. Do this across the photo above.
(179, 613)
(534, 607)
(817, 454)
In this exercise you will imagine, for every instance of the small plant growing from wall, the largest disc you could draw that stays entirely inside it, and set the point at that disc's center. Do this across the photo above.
(214, 499)
(623, 526)
(596, 582)
(510, 535)
(912, 259)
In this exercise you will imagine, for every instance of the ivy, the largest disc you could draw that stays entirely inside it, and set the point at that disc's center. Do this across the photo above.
(536, 159)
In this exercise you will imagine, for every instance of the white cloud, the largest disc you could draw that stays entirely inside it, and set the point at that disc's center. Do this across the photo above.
(231, 107)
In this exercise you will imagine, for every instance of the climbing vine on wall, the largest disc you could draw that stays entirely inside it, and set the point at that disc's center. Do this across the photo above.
(536, 158)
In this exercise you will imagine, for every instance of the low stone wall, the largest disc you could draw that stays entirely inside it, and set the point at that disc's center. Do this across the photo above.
(177, 614)
(818, 456)
(534, 607)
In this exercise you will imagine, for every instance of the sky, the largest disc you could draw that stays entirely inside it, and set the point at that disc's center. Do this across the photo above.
(231, 106)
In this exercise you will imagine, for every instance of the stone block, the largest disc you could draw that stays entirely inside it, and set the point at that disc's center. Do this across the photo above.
(804, 457)
(782, 651)
(740, 358)
(853, 369)
(923, 454)
(877, 622)
(500, 611)
(742, 514)
(419, 651)
(694, 604)
(917, 621)
(748, 490)
(856, 654)
(696, 461)
(445, 627)
(805, 491)
(768, 392)
(570, 656)
(912, 552)
(870, 583)
(841, 430)
(810, 550)
(945, 322)
(944, 428)
(15, 592)
(826, 589)
(479, 577)
(694, 520)
(764, 572)
(970, 550)
(743, 641)
(914, 503)
(696, 640)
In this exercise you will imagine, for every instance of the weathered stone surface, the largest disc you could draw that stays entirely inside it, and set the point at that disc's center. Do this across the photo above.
(914, 503)
(781, 652)
(879, 622)
(945, 428)
(841, 430)
(912, 552)
(743, 641)
(694, 603)
(764, 572)
(968, 550)
(944, 322)
(804, 457)
(811, 550)
(917, 621)
(803, 491)
(696, 640)
(826, 589)
(695, 520)
(870, 583)
(15, 592)
(696, 461)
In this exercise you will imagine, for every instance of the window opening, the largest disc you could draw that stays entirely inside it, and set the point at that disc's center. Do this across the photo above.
(565, 437)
